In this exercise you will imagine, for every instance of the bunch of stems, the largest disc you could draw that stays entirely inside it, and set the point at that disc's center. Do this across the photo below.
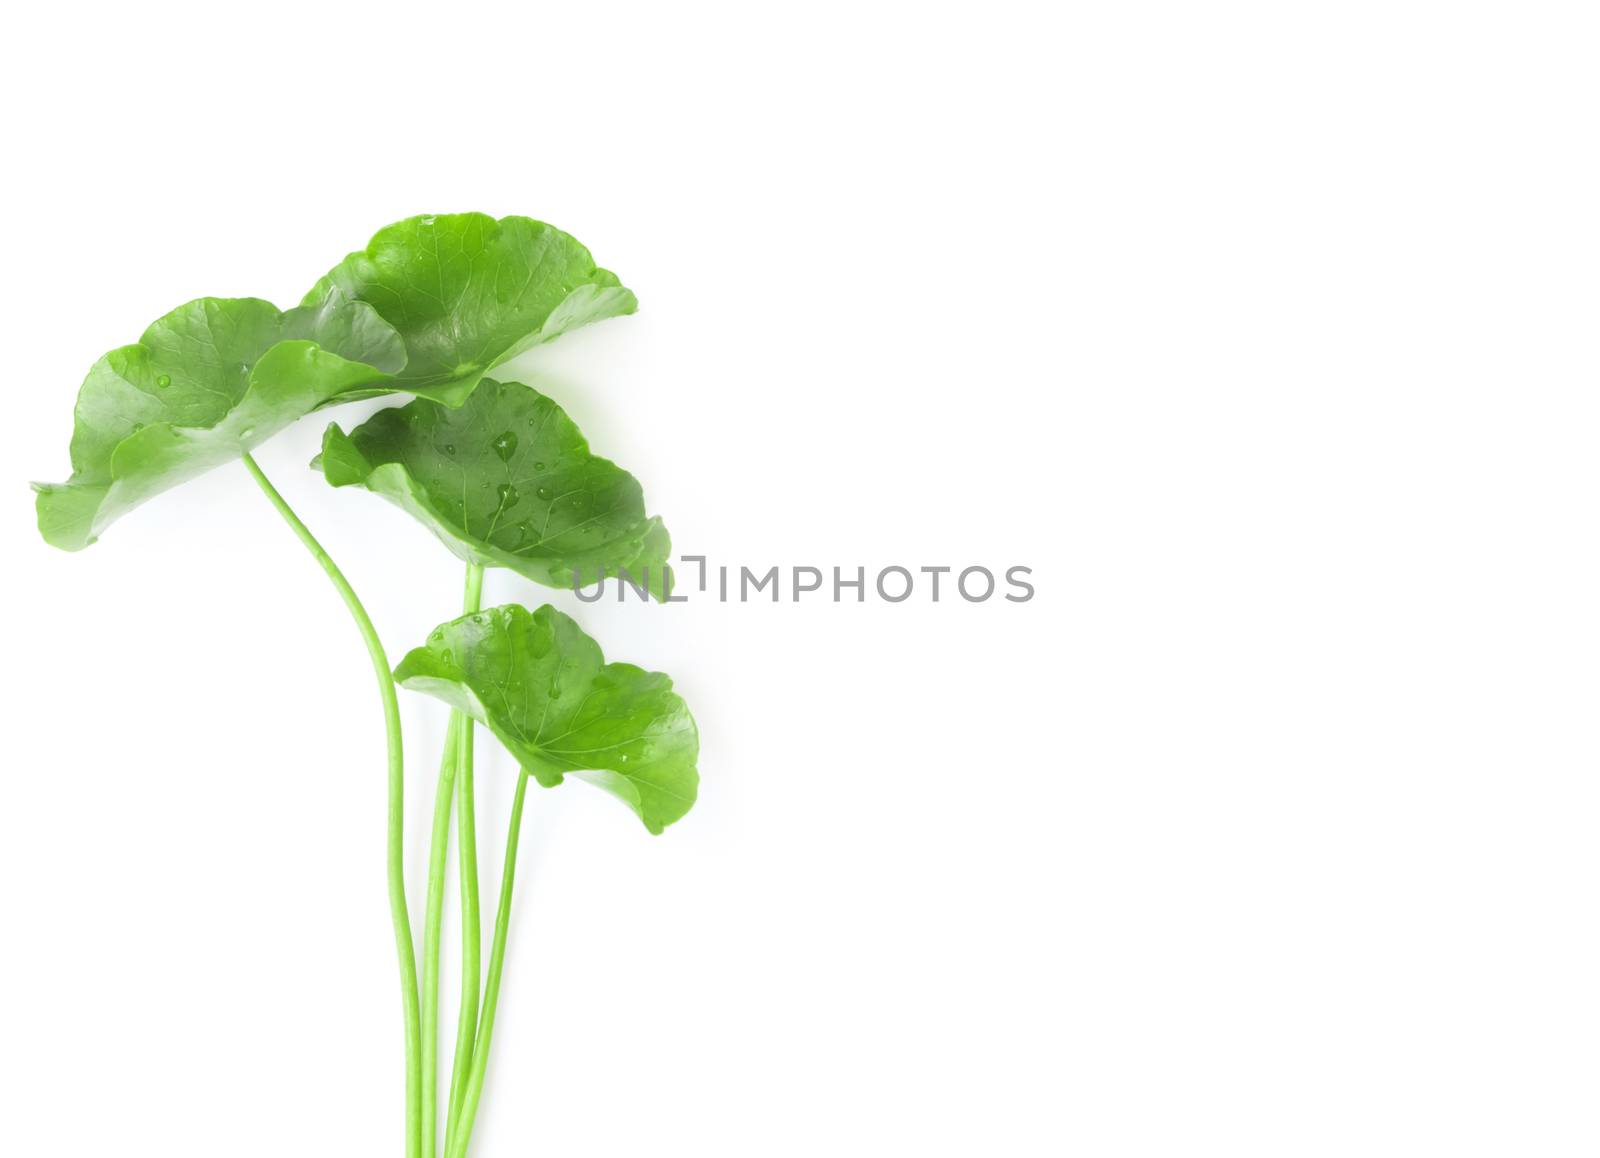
(480, 993)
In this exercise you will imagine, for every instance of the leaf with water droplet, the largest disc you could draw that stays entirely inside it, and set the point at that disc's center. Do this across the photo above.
(468, 293)
(586, 514)
(617, 726)
(172, 406)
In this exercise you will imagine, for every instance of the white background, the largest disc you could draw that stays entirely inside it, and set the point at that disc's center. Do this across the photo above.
(1265, 334)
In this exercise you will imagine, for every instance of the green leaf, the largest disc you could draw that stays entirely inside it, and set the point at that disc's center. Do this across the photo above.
(204, 385)
(506, 480)
(541, 685)
(468, 293)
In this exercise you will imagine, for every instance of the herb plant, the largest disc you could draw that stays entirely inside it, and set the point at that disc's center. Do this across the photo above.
(499, 474)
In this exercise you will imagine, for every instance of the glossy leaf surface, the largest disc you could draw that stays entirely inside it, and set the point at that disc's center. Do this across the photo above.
(542, 686)
(204, 385)
(468, 292)
(507, 480)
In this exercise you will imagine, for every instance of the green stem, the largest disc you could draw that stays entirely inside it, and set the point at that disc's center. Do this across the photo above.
(400, 917)
(438, 850)
(471, 918)
(491, 989)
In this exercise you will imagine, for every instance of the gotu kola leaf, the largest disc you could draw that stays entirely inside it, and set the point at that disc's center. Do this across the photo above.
(468, 293)
(543, 688)
(204, 385)
(506, 480)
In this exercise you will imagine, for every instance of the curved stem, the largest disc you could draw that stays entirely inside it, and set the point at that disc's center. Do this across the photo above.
(400, 917)
(471, 917)
(491, 989)
(434, 917)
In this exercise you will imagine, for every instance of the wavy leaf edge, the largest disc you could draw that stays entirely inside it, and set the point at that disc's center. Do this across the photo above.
(660, 786)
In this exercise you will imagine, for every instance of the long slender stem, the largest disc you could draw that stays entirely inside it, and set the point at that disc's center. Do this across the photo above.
(491, 989)
(399, 915)
(432, 921)
(471, 918)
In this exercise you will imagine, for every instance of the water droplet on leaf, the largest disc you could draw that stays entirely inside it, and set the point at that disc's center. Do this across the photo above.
(449, 448)
(508, 495)
(163, 380)
(543, 492)
(505, 446)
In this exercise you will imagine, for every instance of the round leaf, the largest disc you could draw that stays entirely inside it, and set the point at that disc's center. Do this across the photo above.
(204, 385)
(543, 688)
(468, 292)
(506, 480)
